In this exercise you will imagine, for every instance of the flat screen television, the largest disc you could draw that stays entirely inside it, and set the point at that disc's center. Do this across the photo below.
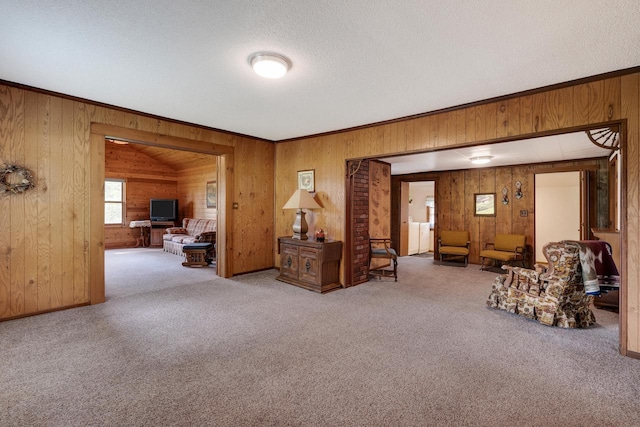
(163, 209)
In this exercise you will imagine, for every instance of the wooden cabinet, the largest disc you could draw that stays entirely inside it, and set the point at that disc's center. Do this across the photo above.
(156, 236)
(309, 264)
(157, 230)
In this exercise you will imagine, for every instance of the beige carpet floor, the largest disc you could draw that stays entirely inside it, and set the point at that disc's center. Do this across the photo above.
(179, 346)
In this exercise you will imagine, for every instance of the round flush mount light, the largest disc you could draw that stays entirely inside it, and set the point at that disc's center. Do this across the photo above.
(269, 65)
(117, 141)
(481, 160)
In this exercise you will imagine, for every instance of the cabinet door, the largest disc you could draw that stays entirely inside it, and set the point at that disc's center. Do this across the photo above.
(309, 265)
(289, 261)
(156, 236)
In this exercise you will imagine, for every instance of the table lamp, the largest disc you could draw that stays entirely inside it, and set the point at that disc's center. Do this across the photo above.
(301, 199)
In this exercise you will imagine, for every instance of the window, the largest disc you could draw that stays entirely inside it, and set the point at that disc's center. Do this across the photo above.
(114, 201)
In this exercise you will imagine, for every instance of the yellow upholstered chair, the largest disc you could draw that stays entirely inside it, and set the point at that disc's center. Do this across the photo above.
(380, 249)
(506, 249)
(454, 245)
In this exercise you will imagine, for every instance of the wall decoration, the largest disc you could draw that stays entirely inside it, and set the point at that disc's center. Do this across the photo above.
(505, 198)
(21, 182)
(212, 194)
(307, 180)
(484, 204)
(519, 190)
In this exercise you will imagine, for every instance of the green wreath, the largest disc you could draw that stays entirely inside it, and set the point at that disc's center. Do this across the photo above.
(26, 180)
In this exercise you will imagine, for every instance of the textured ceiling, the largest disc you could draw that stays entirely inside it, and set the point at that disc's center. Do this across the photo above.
(566, 146)
(354, 62)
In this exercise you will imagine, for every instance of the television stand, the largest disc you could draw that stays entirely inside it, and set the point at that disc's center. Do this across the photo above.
(157, 230)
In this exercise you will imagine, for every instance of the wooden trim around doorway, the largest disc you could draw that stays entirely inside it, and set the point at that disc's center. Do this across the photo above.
(100, 132)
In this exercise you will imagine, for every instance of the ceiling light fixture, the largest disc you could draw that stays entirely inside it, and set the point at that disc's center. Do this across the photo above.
(481, 160)
(269, 65)
(117, 141)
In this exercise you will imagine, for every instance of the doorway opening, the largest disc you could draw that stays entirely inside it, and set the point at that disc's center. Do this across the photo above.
(512, 183)
(163, 187)
(421, 220)
(224, 166)
(559, 201)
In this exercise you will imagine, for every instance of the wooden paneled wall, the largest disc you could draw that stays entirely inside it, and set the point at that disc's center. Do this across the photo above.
(48, 250)
(379, 199)
(44, 231)
(455, 199)
(192, 191)
(146, 178)
(567, 108)
(254, 239)
(379, 204)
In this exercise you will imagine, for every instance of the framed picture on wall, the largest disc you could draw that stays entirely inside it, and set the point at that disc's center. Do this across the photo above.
(484, 204)
(212, 194)
(307, 180)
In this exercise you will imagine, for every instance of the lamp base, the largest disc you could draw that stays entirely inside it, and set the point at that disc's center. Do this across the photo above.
(300, 226)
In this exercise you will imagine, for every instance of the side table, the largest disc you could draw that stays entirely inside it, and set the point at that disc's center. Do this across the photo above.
(141, 241)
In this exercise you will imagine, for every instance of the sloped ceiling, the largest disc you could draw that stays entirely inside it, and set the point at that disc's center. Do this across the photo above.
(176, 159)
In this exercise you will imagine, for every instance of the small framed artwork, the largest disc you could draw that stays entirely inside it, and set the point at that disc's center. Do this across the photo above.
(307, 180)
(212, 194)
(484, 204)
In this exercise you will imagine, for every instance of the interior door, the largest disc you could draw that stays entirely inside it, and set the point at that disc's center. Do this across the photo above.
(559, 202)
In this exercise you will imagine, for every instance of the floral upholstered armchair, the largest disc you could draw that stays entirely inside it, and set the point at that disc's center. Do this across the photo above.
(554, 297)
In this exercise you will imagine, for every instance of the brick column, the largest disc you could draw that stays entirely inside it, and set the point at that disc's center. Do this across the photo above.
(360, 210)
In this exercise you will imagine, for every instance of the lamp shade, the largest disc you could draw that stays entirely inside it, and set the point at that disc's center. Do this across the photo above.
(301, 199)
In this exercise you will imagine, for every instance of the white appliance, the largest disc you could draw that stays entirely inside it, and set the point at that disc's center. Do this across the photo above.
(424, 238)
(419, 237)
(414, 237)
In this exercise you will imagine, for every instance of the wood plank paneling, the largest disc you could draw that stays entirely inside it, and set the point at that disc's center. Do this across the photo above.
(557, 109)
(80, 266)
(472, 222)
(51, 251)
(604, 100)
(25, 291)
(66, 226)
(95, 292)
(17, 249)
(57, 196)
(146, 178)
(502, 119)
(43, 288)
(455, 199)
(379, 204)
(11, 103)
(581, 104)
(446, 200)
(593, 102)
(192, 190)
(253, 191)
(504, 213)
(630, 108)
